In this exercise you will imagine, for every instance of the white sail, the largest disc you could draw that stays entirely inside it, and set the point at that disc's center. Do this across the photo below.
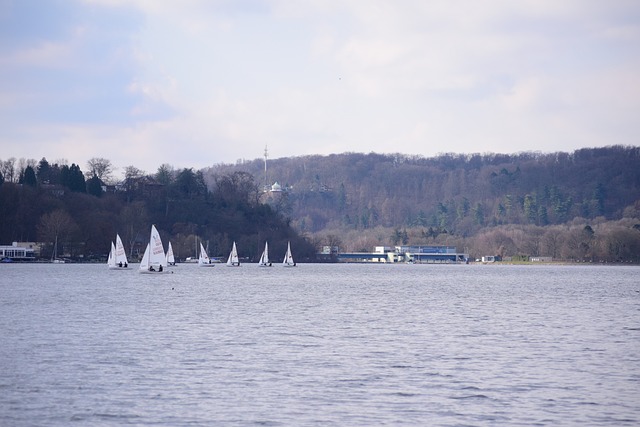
(111, 261)
(264, 258)
(171, 260)
(156, 259)
(144, 263)
(288, 258)
(203, 259)
(121, 255)
(117, 257)
(233, 260)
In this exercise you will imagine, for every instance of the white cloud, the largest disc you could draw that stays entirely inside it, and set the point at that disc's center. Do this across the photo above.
(200, 82)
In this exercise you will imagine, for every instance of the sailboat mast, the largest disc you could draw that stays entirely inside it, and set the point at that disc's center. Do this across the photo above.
(54, 254)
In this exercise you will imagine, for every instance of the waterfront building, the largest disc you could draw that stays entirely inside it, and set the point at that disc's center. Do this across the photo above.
(18, 251)
(408, 254)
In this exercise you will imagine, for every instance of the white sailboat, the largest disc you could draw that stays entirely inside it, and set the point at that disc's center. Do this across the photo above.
(264, 258)
(54, 255)
(233, 260)
(171, 260)
(111, 261)
(117, 257)
(154, 259)
(203, 259)
(121, 255)
(288, 258)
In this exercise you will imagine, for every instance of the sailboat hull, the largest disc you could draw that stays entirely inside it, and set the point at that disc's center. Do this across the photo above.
(152, 272)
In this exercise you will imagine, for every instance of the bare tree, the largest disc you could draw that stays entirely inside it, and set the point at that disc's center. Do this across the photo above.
(55, 227)
(8, 169)
(552, 241)
(134, 219)
(99, 167)
(132, 172)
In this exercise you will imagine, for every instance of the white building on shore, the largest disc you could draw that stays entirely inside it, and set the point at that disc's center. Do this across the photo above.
(18, 252)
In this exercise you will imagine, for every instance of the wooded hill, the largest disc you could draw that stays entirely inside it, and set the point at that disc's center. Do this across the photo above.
(451, 194)
(45, 203)
(581, 206)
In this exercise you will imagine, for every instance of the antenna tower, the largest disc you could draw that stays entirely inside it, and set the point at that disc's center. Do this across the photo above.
(266, 155)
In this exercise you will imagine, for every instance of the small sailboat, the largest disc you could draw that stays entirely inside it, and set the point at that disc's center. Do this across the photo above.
(264, 258)
(111, 261)
(117, 257)
(233, 260)
(171, 260)
(154, 260)
(288, 258)
(54, 255)
(121, 255)
(203, 259)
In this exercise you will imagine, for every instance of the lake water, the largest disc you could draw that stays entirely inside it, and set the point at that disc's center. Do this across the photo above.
(320, 345)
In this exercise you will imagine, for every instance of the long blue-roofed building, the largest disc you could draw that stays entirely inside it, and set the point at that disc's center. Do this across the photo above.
(407, 254)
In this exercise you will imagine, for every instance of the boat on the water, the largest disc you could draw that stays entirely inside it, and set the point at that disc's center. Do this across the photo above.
(233, 260)
(171, 260)
(264, 258)
(203, 259)
(154, 259)
(117, 257)
(288, 257)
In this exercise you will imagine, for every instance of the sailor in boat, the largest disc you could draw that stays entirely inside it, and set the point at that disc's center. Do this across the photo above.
(120, 264)
(160, 268)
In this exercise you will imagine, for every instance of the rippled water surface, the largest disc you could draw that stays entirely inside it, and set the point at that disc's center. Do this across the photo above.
(320, 345)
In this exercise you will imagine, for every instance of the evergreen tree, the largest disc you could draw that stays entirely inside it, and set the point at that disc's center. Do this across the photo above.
(165, 173)
(72, 178)
(94, 186)
(44, 172)
(29, 177)
(543, 218)
(478, 214)
(530, 208)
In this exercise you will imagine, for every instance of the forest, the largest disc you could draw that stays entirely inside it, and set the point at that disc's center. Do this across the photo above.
(582, 206)
(82, 212)
(587, 201)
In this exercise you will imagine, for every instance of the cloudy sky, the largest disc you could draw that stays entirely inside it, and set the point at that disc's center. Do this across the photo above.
(193, 83)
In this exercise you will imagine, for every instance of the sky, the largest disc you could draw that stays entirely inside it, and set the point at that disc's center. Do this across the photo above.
(194, 83)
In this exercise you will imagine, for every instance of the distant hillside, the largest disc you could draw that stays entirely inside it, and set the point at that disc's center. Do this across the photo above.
(55, 206)
(457, 193)
(582, 206)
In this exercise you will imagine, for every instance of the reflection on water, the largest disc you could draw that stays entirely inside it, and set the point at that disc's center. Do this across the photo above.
(320, 345)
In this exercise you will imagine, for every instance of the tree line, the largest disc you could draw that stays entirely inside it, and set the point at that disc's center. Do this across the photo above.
(78, 213)
(378, 199)
(577, 206)
(458, 193)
